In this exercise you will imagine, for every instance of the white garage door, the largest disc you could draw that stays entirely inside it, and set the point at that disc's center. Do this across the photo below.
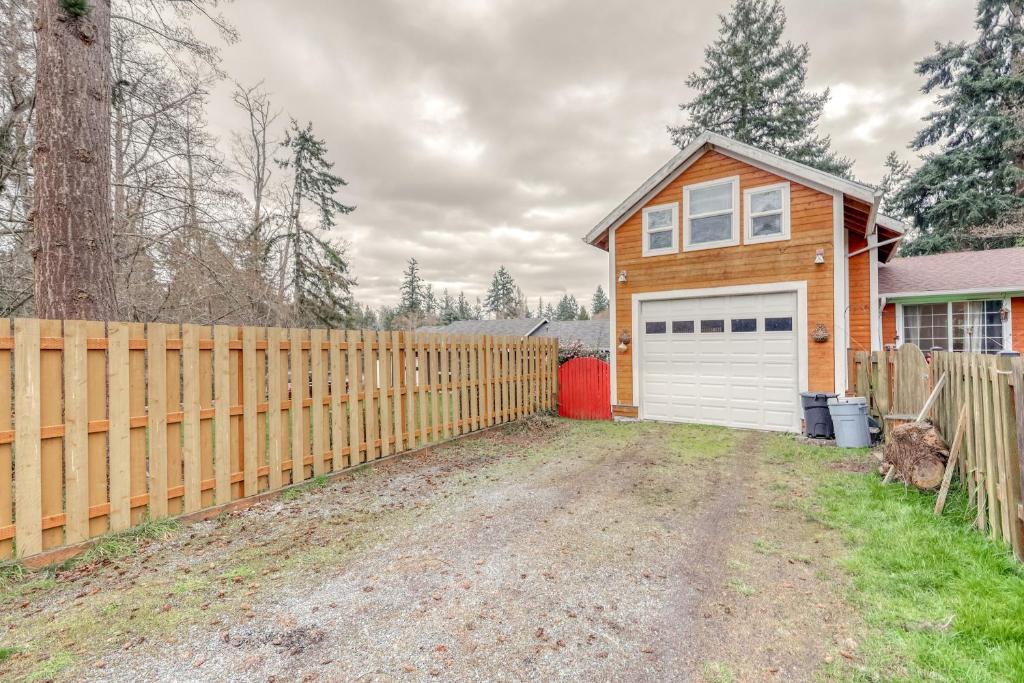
(728, 360)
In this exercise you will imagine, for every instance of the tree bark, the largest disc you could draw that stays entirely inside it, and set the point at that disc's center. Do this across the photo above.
(73, 254)
(918, 453)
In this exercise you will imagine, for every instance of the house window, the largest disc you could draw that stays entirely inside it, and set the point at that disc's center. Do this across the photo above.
(661, 229)
(712, 214)
(974, 326)
(767, 213)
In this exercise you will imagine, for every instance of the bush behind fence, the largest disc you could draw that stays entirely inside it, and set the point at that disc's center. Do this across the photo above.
(103, 425)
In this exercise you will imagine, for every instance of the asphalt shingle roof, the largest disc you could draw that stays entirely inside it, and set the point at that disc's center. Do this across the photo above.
(593, 333)
(995, 270)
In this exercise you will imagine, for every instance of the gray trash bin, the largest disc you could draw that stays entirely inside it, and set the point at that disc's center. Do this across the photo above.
(850, 418)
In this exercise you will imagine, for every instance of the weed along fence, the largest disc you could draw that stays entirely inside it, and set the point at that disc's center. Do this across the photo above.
(989, 391)
(103, 425)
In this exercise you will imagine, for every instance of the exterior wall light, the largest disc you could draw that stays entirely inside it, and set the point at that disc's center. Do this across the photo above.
(623, 341)
(819, 256)
(622, 277)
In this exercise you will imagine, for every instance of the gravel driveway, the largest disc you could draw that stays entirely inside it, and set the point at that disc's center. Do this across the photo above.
(544, 550)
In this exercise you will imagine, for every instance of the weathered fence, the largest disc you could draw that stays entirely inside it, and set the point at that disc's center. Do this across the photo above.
(113, 423)
(992, 389)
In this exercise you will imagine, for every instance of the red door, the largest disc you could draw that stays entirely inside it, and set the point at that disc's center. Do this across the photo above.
(584, 391)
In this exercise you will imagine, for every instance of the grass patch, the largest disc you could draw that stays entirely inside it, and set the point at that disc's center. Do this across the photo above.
(716, 672)
(942, 602)
(701, 442)
(52, 667)
(124, 543)
(742, 587)
(315, 484)
(7, 652)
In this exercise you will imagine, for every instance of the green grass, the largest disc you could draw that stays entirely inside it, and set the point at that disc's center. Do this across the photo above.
(124, 543)
(941, 601)
(6, 652)
(294, 493)
(701, 442)
(52, 667)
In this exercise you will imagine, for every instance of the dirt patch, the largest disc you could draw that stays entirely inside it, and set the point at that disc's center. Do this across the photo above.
(547, 549)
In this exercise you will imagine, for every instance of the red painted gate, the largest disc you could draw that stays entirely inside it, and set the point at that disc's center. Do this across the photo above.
(584, 391)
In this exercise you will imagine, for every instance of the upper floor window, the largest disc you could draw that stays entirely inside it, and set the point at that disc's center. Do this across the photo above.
(767, 213)
(712, 214)
(661, 229)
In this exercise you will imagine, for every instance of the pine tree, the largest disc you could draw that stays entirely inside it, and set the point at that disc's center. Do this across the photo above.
(751, 88)
(568, 308)
(502, 296)
(599, 302)
(446, 309)
(976, 178)
(320, 282)
(583, 315)
(549, 312)
(463, 311)
(897, 172)
(412, 289)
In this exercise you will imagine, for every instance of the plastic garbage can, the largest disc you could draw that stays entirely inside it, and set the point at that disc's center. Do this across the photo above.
(850, 418)
(817, 420)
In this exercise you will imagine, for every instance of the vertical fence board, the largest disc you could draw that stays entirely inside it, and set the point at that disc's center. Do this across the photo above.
(97, 371)
(206, 424)
(445, 378)
(250, 397)
(6, 452)
(316, 363)
(120, 446)
(191, 439)
(339, 420)
(137, 432)
(412, 396)
(275, 395)
(434, 378)
(76, 432)
(52, 449)
(370, 393)
(296, 392)
(156, 396)
(395, 387)
(222, 414)
(175, 466)
(28, 467)
(385, 349)
(355, 420)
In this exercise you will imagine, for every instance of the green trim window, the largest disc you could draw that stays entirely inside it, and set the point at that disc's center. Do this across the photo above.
(977, 326)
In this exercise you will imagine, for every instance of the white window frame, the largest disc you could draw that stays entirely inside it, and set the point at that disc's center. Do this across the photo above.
(674, 247)
(748, 235)
(1008, 342)
(734, 240)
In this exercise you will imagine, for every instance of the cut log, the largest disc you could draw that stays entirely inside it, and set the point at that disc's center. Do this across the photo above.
(918, 453)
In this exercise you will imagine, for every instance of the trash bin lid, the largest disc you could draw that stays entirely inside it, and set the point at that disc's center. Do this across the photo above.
(817, 394)
(847, 400)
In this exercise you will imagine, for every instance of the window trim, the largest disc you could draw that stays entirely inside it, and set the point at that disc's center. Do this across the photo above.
(748, 215)
(734, 240)
(674, 248)
(1008, 341)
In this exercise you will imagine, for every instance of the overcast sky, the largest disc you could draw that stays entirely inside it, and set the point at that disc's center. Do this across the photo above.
(475, 133)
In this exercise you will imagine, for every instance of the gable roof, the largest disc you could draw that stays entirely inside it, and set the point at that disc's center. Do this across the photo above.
(511, 327)
(706, 141)
(992, 271)
(592, 333)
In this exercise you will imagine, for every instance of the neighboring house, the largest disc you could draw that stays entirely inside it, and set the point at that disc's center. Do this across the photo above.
(593, 334)
(964, 301)
(737, 280)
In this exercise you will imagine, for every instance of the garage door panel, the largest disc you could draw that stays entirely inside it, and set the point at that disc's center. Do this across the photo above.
(742, 379)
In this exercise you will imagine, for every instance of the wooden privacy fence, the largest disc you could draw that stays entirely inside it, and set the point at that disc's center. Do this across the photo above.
(112, 423)
(992, 389)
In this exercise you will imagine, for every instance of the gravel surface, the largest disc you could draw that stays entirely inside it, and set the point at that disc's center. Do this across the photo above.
(547, 550)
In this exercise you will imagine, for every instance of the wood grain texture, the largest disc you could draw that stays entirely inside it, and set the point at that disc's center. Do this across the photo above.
(222, 414)
(156, 398)
(120, 427)
(28, 467)
(191, 458)
(76, 432)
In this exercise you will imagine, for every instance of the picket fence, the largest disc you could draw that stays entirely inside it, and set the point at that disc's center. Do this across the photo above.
(105, 425)
(991, 465)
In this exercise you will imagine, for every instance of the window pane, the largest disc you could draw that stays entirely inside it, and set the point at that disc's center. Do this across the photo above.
(766, 225)
(660, 240)
(778, 324)
(926, 326)
(712, 326)
(744, 325)
(711, 229)
(707, 199)
(682, 326)
(978, 326)
(655, 328)
(766, 201)
(662, 218)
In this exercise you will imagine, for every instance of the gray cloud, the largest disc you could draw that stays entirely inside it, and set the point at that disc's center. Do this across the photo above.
(476, 133)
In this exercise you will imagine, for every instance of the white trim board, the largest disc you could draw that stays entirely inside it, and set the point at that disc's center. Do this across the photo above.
(840, 293)
(797, 286)
(1007, 324)
(980, 293)
(613, 349)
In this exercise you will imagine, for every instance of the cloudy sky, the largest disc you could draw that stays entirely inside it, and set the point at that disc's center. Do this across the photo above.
(476, 133)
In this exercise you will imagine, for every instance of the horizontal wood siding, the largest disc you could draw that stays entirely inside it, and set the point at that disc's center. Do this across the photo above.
(889, 325)
(790, 260)
(860, 295)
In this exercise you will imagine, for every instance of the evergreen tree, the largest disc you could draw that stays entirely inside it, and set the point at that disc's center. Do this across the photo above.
(463, 311)
(503, 295)
(976, 177)
(751, 88)
(321, 286)
(583, 315)
(429, 300)
(478, 310)
(540, 307)
(599, 302)
(896, 173)
(549, 312)
(568, 308)
(412, 289)
(447, 312)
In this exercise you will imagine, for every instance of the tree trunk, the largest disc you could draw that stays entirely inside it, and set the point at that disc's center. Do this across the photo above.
(73, 254)
(918, 453)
